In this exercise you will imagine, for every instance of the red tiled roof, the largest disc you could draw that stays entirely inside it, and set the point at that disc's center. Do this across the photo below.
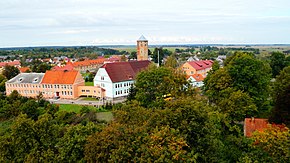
(68, 67)
(59, 77)
(197, 77)
(89, 62)
(122, 71)
(254, 124)
(13, 63)
(202, 64)
(23, 69)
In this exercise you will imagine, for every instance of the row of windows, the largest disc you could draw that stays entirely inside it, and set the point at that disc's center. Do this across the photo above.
(126, 91)
(44, 92)
(121, 85)
(40, 86)
(89, 91)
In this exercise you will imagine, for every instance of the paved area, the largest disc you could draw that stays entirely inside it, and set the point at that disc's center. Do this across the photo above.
(79, 101)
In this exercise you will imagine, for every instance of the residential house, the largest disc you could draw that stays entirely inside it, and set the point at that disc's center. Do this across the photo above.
(117, 78)
(88, 65)
(196, 80)
(197, 67)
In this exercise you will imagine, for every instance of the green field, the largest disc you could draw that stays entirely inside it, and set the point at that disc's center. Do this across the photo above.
(89, 83)
(73, 107)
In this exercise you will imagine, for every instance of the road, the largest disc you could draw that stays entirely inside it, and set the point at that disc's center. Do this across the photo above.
(79, 101)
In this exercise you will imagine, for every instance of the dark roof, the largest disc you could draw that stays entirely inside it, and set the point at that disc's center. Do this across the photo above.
(26, 78)
(124, 71)
(142, 38)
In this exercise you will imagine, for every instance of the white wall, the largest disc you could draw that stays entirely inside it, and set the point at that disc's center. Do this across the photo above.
(113, 90)
(104, 82)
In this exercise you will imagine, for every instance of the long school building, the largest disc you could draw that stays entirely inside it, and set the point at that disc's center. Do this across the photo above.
(52, 84)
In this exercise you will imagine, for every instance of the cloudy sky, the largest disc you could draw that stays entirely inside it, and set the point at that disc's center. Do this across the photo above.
(102, 22)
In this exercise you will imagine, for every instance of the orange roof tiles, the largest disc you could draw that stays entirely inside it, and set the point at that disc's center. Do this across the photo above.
(59, 77)
(197, 77)
(254, 124)
(13, 63)
(89, 62)
(23, 69)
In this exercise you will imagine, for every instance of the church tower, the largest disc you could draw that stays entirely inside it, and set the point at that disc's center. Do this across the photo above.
(142, 48)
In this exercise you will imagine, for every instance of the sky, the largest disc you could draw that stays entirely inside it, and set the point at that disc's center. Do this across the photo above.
(121, 22)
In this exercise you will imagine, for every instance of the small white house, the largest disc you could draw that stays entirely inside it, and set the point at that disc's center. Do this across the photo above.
(117, 77)
(196, 80)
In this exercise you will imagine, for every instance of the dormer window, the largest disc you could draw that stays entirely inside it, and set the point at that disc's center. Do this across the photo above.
(20, 79)
(35, 80)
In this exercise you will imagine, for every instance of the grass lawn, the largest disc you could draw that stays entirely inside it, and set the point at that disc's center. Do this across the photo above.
(73, 107)
(89, 83)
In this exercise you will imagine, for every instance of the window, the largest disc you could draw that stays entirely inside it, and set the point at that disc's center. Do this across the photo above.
(87, 90)
(102, 78)
(83, 90)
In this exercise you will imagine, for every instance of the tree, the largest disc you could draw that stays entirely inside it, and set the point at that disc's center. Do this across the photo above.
(2, 83)
(133, 55)
(171, 62)
(156, 52)
(10, 71)
(123, 58)
(155, 83)
(275, 141)
(245, 80)
(277, 63)
(281, 96)
(252, 76)
(43, 67)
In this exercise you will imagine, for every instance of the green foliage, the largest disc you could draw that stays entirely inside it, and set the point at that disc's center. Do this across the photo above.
(10, 71)
(275, 142)
(171, 62)
(154, 83)
(277, 63)
(2, 83)
(281, 97)
(241, 87)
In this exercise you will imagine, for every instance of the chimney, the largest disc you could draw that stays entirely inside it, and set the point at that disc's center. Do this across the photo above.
(252, 119)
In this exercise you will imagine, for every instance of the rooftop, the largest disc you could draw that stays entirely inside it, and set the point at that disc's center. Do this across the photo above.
(254, 124)
(201, 64)
(59, 77)
(33, 78)
(124, 71)
(142, 38)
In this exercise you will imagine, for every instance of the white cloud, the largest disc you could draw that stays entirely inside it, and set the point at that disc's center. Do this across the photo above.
(115, 21)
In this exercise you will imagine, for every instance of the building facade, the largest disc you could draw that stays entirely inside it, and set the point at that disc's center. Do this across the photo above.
(197, 67)
(142, 48)
(117, 78)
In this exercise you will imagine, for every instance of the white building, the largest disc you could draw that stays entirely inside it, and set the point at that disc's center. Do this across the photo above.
(196, 80)
(116, 78)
